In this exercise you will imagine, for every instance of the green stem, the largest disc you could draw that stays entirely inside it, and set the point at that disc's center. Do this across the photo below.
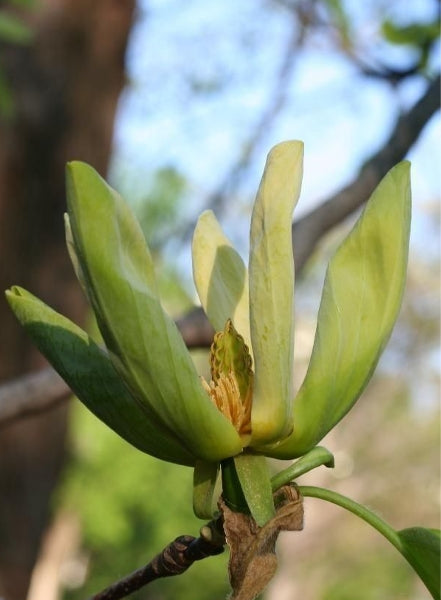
(231, 488)
(357, 509)
(315, 458)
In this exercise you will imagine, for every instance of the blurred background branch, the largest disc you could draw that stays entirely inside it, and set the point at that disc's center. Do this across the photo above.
(31, 394)
(308, 230)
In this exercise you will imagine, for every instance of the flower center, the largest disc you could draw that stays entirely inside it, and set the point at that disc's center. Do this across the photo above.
(231, 387)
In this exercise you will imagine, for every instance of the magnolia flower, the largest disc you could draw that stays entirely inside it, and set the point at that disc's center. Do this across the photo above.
(145, 386)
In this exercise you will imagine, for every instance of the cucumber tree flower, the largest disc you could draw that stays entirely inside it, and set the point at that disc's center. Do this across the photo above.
(145, 386)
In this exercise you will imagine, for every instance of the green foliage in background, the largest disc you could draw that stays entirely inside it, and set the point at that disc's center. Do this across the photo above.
(417, 38)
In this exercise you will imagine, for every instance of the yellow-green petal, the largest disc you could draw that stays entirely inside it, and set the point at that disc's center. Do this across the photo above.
(93, 379)
(271, 274)
(220, 276)
(360, 302)
(144, 343)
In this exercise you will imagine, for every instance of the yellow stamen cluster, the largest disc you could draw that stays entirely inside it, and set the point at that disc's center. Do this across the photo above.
(226, 396)
(231, 387)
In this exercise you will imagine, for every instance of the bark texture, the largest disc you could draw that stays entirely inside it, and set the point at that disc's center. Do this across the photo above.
(66, 86)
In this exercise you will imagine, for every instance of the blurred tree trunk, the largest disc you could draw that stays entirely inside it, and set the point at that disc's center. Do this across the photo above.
(66, 86)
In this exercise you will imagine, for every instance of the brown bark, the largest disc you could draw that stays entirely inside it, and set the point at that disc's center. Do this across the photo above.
(66, 86)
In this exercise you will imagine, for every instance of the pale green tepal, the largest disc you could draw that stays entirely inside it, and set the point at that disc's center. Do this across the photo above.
(145, 386)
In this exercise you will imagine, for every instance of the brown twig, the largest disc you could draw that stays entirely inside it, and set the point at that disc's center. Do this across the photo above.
(176, 558)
